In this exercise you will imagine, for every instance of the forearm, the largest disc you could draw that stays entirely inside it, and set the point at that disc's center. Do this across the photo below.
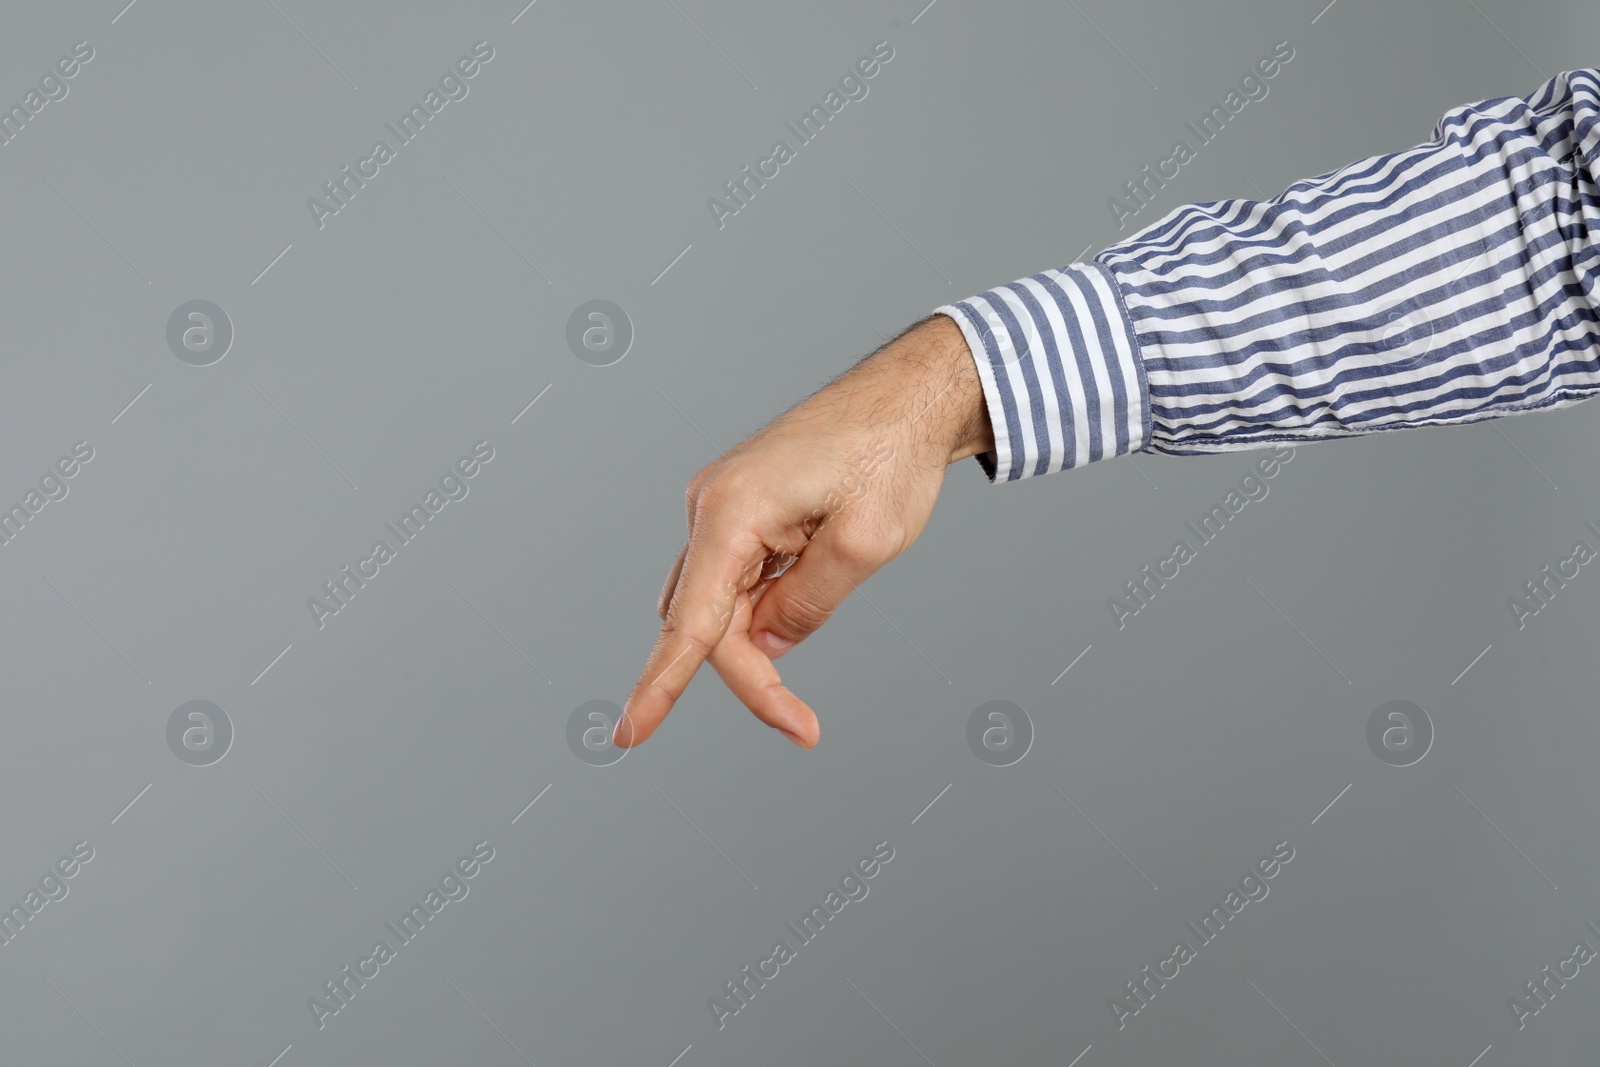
(1456, 281)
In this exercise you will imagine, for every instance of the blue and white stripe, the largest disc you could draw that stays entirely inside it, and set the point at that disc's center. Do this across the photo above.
(1060, 368)
(1456, 281)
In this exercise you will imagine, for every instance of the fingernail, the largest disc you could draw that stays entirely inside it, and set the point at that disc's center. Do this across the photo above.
(772, 643)
(623, 727)
(793, 737)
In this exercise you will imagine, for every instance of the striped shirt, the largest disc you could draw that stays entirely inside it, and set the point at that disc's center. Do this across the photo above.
(1453, 282)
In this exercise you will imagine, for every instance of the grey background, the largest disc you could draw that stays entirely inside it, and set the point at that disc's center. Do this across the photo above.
(377, 750)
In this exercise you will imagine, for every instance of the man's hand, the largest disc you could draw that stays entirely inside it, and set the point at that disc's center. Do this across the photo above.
(786, 524)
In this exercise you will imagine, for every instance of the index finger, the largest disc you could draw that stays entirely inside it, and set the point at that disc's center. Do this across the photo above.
(713, 573)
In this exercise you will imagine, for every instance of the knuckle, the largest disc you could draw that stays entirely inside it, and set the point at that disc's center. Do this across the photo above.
(691, 495)
(867, 544)
(702, 622)
(798, 614)
(701, 640)
(698, 635)
(714, 494)
(705, 478)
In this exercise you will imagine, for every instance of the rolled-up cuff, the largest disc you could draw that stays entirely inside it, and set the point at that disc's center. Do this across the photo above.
(1061, 371)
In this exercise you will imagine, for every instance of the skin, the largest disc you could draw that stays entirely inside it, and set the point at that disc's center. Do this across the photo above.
(786, 524)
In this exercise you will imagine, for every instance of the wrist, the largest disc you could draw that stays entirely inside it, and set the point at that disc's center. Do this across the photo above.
(971, 432)
(930, 370)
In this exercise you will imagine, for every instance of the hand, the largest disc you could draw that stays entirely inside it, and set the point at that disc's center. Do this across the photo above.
(787, 523)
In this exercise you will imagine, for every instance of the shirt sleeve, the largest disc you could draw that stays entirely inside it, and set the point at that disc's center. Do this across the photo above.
(1453, 282)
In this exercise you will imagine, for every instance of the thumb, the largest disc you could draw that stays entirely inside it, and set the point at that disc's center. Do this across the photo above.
(799, 601)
